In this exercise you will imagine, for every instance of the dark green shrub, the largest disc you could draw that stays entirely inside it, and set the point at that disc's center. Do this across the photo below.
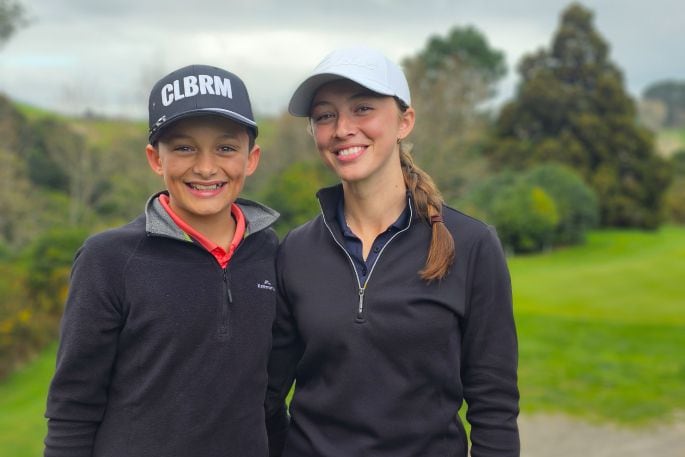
(576, 203)
(546, 206)
(525, 217)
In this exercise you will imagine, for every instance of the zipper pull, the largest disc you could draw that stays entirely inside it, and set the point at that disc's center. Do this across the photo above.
(360, 308)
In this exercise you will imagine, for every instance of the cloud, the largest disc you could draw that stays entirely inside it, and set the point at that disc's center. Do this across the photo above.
(112, 52)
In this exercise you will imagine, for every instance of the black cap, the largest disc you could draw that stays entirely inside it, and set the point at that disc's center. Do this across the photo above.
(198, 90)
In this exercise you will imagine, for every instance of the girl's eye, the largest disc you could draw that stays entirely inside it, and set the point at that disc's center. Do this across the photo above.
(364, 108)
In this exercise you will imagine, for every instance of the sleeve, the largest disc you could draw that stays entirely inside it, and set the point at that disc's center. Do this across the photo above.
(286, 351)
(490, 355)
(89, 331)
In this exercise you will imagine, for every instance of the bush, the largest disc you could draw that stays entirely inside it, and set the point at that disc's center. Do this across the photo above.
(547, 206)
(48, 259)
(576, 203)
(525, 217)
(32, 292)
(292, 193)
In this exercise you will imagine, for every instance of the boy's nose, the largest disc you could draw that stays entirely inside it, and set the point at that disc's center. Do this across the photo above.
(205, 165)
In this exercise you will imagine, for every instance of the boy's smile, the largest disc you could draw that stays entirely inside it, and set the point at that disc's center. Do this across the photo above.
(204, 161)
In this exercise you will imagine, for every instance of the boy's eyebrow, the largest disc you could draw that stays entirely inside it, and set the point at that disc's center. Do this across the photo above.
(184, 136)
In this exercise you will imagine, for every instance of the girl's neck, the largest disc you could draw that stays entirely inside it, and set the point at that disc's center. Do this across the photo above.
(370, 208)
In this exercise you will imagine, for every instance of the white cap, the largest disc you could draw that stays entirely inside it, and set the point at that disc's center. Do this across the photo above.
(365, 66)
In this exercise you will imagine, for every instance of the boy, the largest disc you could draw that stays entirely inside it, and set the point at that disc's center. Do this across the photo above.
(167, 327)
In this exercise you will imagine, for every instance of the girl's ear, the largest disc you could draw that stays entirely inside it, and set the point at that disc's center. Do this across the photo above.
(407, 119)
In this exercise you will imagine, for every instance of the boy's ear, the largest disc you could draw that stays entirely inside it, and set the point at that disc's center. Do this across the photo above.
(253, 160)
(153, 159)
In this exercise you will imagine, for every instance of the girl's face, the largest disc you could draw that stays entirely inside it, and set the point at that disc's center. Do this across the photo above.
(356, 131)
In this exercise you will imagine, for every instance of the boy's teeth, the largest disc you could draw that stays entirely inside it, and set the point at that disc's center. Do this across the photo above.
(350, 151)
(203, 187)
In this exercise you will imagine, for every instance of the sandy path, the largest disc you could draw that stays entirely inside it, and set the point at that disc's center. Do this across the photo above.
(561, 436)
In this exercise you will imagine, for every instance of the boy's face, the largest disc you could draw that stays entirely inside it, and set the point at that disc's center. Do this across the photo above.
(204, 161)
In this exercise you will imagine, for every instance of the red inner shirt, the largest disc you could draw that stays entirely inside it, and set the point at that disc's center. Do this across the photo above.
(220, 254)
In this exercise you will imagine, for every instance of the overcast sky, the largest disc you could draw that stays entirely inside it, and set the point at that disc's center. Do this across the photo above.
(105, 55)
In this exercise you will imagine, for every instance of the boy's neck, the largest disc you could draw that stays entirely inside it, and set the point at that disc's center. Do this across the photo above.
(218, 228)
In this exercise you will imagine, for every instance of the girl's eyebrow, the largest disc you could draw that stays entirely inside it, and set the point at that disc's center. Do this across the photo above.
(365, 93)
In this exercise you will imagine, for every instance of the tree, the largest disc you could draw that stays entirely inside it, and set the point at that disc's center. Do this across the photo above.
(292, 192)
(450, 79)
(16, 201)
(671, 94)
(571, 108)
(60, 160)
(12, 17)
(284, 141)
(675, 195)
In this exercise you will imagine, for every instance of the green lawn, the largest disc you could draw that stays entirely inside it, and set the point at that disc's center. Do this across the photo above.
(602, 326)
(22, 405)
(601, 332)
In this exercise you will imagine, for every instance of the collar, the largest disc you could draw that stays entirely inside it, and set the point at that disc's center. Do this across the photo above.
(158, 222)
(401, 222)
(221, 255)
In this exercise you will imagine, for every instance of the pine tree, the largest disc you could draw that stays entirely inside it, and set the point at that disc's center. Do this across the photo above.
(450, 79)
(571, 107)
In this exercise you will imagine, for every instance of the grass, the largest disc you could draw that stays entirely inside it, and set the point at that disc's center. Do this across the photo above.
(602, 327)
(601, 333)
(22, 405)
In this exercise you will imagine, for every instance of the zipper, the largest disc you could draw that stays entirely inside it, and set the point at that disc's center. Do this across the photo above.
(224, 320)
(361, 289)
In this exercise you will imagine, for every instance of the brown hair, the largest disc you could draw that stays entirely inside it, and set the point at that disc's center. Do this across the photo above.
(428, 203)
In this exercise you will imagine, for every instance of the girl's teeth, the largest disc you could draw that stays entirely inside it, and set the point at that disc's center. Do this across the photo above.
(350, 151)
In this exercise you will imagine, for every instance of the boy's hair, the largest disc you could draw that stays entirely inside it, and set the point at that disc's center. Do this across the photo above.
(198, 90)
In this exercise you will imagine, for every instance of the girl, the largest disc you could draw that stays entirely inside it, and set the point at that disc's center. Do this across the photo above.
(394, 309)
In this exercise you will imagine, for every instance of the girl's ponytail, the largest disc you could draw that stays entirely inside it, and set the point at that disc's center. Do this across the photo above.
(428, 202)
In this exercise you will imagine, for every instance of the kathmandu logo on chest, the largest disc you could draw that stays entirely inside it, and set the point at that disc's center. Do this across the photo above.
(266, 284)
(191, 86)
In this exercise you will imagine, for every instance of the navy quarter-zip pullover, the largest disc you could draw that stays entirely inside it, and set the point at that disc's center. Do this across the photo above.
(382, 370)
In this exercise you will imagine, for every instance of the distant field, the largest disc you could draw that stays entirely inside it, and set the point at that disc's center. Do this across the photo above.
(601, 332)
(670, 140)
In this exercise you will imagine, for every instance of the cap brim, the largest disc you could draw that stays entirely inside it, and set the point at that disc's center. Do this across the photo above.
(301, 101)
(154, 136)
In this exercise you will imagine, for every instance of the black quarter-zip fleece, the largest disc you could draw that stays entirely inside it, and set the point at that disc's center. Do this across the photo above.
(162, 352)
(391, 384)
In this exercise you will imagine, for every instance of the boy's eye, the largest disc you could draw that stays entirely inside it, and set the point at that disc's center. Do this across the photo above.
(322, 117)
(183, 148)
(227, 148)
